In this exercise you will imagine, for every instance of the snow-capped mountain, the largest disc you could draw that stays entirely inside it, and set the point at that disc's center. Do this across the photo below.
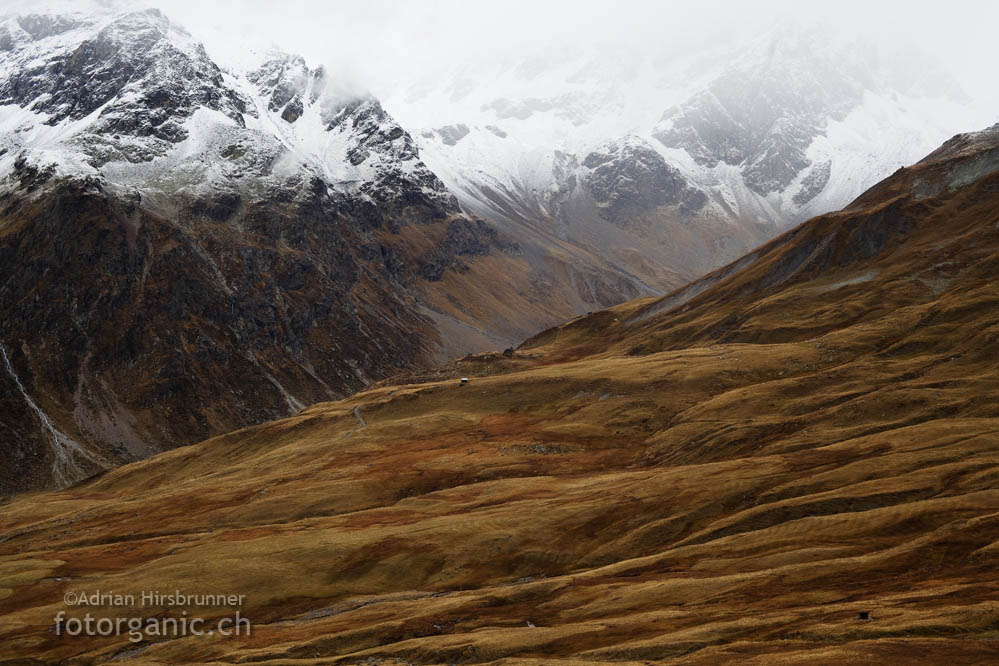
(767, 133)
(789, 131)
(190, 245)
(187, 249)
(134, 99)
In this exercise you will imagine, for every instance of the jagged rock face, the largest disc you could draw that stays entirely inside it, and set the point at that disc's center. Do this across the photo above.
(141, 74)
(283, 81)
(774, 128)
(400, 178)
(761, 118)
(128, 89)
(629, 178)
(382, 153)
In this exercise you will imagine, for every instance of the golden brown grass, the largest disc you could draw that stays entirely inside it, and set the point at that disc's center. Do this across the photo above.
(729, 482)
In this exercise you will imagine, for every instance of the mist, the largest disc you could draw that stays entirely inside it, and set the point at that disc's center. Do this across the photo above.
(386, 45)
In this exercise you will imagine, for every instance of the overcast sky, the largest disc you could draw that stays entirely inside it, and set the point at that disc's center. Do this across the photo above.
(385, 44)
(385, 41)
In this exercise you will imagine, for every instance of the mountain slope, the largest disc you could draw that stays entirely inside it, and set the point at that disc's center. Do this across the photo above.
(734, 473)
(188, 250)
(266, 236)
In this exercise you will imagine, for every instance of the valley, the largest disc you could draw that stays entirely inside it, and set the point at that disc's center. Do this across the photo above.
(790, 461)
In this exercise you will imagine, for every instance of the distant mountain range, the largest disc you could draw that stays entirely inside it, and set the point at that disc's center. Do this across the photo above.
(683, 160)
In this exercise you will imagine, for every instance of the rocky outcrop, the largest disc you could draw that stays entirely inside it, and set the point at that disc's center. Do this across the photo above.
(628, 178)
(398, 178)
(813, 183)
(140, 74)
(283, 80)
(463, 238)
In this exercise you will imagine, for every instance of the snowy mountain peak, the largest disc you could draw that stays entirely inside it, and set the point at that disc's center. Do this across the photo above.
(135, 99)
(774, 128)
(119, 89)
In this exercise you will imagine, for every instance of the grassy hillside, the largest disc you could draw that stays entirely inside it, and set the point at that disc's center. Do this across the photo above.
(731, 474)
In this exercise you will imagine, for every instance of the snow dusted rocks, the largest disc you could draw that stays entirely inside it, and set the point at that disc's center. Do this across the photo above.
(773, 129)
(627, 178)
(762, 115)
(133, 97)
(396, 176)
(130, 82)
(283, 80)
